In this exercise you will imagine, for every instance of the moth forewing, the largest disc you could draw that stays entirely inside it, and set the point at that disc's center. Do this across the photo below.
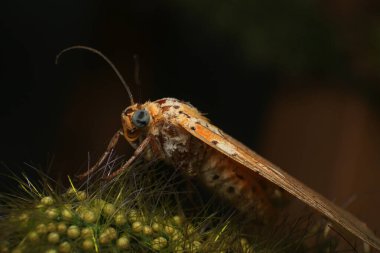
(235, 150)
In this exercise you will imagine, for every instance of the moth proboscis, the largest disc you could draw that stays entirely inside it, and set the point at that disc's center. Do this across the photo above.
(177, 133)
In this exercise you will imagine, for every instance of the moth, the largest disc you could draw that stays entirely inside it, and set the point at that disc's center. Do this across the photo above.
(176, 132)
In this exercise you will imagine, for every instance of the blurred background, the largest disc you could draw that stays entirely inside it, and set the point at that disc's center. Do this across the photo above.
(297, 81)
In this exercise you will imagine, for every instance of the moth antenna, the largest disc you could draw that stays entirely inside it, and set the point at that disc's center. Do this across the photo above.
(136, 59)
(93, 50)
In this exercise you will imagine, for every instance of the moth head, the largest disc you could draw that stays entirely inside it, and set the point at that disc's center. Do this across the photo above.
(136, 120)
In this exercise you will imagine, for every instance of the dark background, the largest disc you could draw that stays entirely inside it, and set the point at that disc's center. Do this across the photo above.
(297, 81)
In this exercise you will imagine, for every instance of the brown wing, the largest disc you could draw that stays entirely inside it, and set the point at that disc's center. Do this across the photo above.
(214, 137)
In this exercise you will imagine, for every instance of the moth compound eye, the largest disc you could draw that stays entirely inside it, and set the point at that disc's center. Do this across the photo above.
(140, 118)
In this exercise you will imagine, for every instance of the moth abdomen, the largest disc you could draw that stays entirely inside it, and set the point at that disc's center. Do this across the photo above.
(232, 182)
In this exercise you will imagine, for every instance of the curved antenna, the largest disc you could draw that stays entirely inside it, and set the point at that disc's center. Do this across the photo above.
(93, 50)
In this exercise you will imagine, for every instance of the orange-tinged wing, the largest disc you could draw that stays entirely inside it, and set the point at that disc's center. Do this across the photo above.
(227, 145)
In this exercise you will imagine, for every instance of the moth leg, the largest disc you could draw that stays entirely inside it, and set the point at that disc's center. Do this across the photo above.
(139, 150)
(115, 138)
(156, 151)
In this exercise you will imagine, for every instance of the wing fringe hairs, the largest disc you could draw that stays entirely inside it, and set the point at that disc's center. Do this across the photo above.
(145, 209)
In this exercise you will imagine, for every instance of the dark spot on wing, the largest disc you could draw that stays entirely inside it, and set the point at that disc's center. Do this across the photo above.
(187, 116)
(161, 101)
(192, 128)
(176, 106)
(215, 142)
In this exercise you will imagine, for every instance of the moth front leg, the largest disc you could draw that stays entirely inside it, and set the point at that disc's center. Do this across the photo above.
(110, 148)
(149, 141)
